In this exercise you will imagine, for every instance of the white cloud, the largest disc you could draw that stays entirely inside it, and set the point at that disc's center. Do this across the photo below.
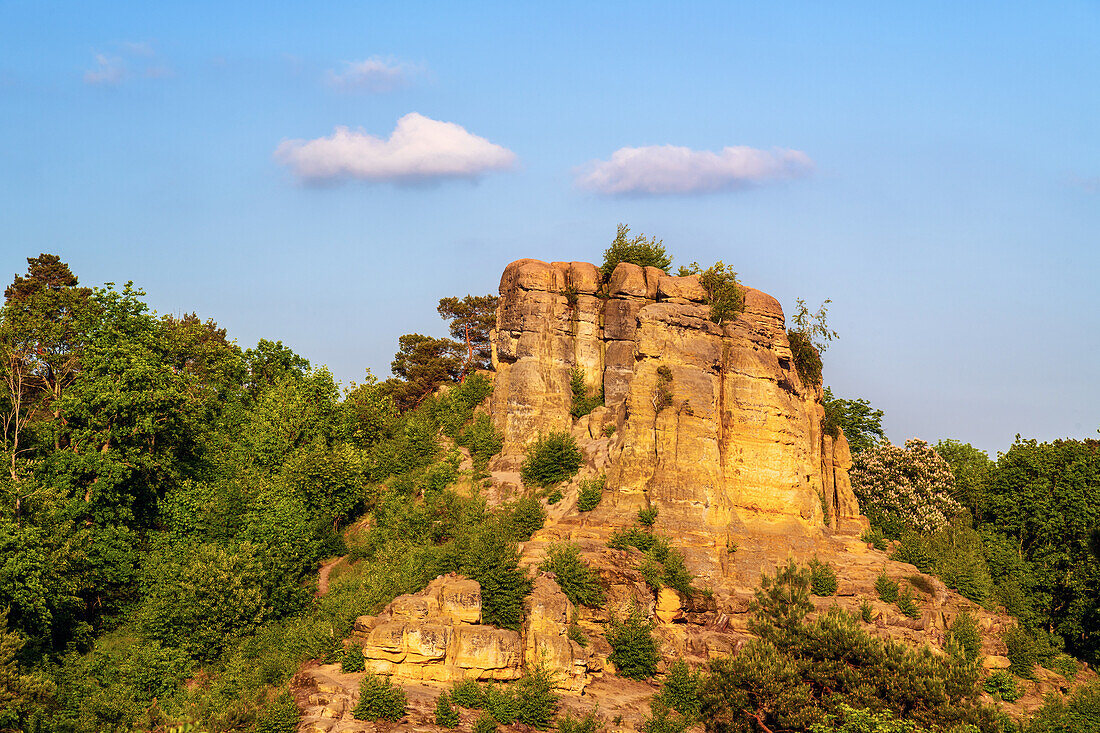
(671, 169)
(139, 48)
(375, 75)
(109, 70)
(418, 149)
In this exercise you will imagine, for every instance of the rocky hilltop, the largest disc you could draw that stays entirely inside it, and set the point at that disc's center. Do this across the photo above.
(710, 425)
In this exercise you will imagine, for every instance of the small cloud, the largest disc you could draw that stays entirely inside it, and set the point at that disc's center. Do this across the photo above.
(374, 75)
(108, 71)
(141, 48)
(418, 149)
(672, 169)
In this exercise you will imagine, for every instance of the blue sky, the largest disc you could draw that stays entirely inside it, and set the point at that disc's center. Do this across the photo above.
(933, 169)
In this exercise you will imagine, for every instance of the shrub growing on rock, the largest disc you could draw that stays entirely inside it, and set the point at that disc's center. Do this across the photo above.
(446, 716)
(964, 632)
(588, 724)
(352, 660)
(906, 604)
(590, 493)
(551, 459)
(662, 718)
(1023, 654)
(578, 582)
(526, 517)
(886, 588)
(822, 578)
(278, 716)
(1002, 686)
(637, 251)
(537, 701)
(648, 516)
(680, 690)
(583, 403)
(634, 650)
(379, 699)
(485, 723)
(468, 694)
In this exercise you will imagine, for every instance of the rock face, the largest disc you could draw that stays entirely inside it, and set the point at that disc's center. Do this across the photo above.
(712, 423)
(436, 635)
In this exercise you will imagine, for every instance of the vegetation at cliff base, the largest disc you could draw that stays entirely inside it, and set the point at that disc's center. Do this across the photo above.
(553, 458)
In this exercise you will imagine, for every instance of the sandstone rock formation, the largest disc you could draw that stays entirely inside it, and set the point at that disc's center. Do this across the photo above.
(436, 635)
(736, 440)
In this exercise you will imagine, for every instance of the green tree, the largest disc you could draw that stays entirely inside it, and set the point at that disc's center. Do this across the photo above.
(470, 320)
(637, 250)
(422, 364)
(861, 424)
(809, 337)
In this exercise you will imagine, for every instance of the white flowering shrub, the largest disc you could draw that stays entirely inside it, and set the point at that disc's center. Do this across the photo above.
(906, 488)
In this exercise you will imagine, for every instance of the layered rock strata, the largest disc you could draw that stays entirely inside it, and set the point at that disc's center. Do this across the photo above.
(712, 423)
(436, 635)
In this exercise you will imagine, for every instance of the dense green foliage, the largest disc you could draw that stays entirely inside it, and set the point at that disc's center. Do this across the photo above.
(551, 459)
(379, 699)
(636, 250)
(680, 690)
(822, 578)
(662, 565)
(798, 675)
(964, 634)
(860, 423)
(809, 337)
(1080, 713)
(633, 648)
(725, 296)
(446, 716)
(590, 493)
(579, 583)
(530, 700)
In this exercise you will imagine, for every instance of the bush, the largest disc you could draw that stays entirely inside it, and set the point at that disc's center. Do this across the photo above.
(1022, 652)
(906, 605)
(807, 360)
(724, 294)
(647, 516)
(590, 493)
(863, 720)
(481, 439)
(278, 716)
(822, 578)
(886, 588)
(588, 724)
(554, 497)
(379, 699)
(634, 650)
(609, 430)
(537, 701)
(576, 633)
(662, 392)
(583, 403)
(352, 660)
(468, 694)
(1078, 714)
(446, 716)
(551, 459)
(1064, 665)
(501, 704)
(781, 603)
(874, 538)
(680, 690)
(865, 611)
(637, 251)
(485, 724)
(964, 632)
(526, 517)
(1002, 686)
(662, 719)
(578, 582)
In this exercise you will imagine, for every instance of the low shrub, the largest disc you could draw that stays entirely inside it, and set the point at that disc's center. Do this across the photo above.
(501, 704)
(379, 699)
(583, 403)
(864, 720)
(278, 716)
(576, 633)
(875, 539)
(1002, 686)
(652, 572)
(468, 694)
(590, 493)
(724, 294)
(822, 578)
(485, 724)
(588, 724)
(536, 700)
(526, 517)
(906, 604)
(633, 648)
(481, 439)
(964, 633)
(886, 588)
(807, 359)
(608, 430)
(680, 690)
(578, 582)
(865, 611)
(637, 250)
(1064, 665)
(1023, 654)
(554, 497)
(446, 716)
(551, 459)
(1080, 713)
(662, 719)
(647, 516)
(352, 660)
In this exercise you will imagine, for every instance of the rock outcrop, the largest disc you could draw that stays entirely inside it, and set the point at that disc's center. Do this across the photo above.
(712, 423)
(436, 635)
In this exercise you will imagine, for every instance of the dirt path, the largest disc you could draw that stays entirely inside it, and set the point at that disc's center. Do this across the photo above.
(322, 576)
